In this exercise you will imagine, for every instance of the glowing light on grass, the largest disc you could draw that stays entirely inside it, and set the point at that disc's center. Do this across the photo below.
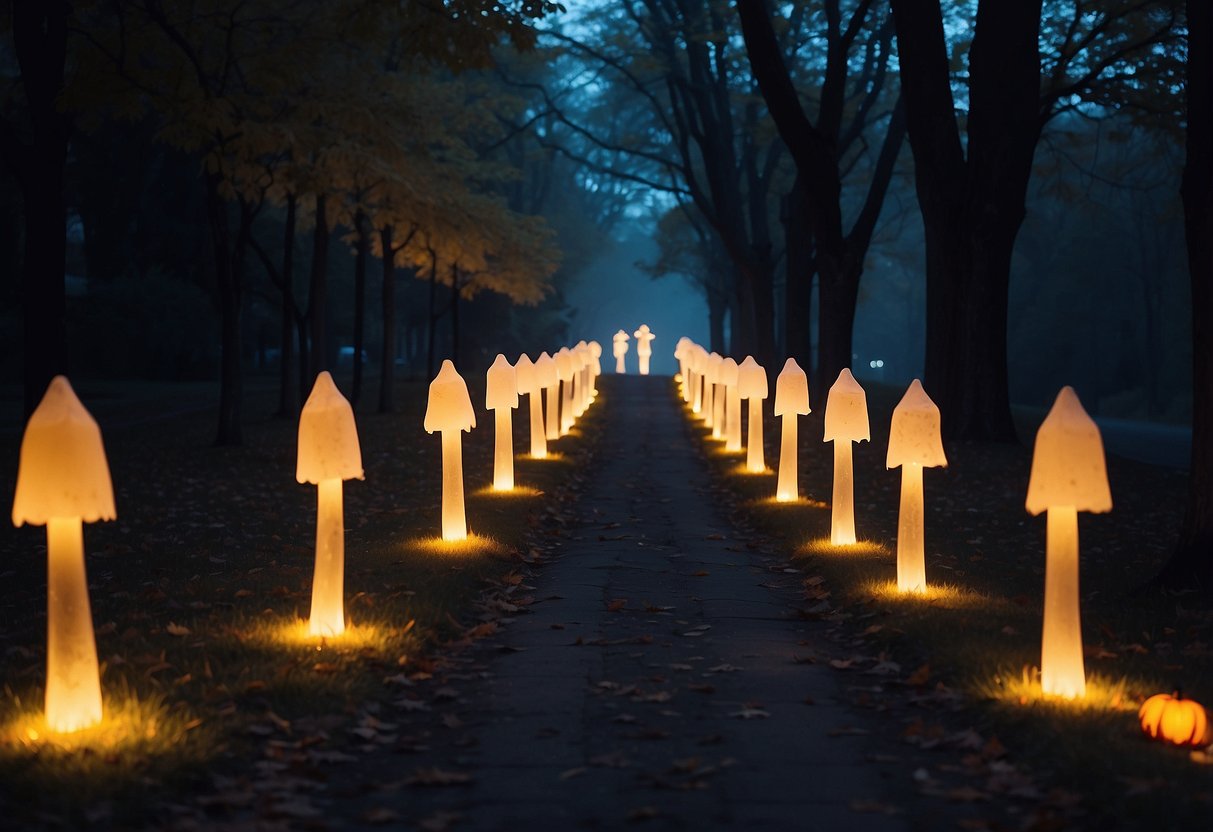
(791, 402)
(140, 728)
(915, 442)
(548, 377)
(620, 350)
(798, 503)
(644, 347)
(846, 422)
(527, 375)
(473, 545)
(945, 596)
(328, 454)
(501, 397)
(1023, 689)
(752, 386)
(517, 492)
(449, 411)
(1068, 476)
(858, 549)
(63, 481)
(295, 632)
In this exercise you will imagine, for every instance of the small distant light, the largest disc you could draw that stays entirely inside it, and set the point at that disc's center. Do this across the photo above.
(879, 362)
(872, 364)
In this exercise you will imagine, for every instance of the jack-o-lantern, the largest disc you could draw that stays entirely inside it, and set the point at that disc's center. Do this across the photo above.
(1174, 719)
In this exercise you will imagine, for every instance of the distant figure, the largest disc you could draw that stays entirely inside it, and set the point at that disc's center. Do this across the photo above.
(644, 347)
(621, 349)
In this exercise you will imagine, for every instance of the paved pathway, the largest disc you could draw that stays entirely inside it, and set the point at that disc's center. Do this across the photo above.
(658, 681)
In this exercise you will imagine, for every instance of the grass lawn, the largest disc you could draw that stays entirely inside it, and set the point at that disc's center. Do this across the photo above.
(199, 588)
(964, 657)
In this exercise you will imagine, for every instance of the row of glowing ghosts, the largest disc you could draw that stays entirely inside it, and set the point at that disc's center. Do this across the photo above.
(644, 349)
(63, 481)
(1068, 475)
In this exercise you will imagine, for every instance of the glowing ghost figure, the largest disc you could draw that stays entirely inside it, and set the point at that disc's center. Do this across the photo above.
(682, 353)
(1069, 475)
(328, 454)
(549, 379)
(595, 367)
(698, 363)
(846, 422)
(528, 385)
(715, 369)
(791, 402)
(732, 405)
(581, 388)
(449, 411)
(752, 386)
(915, 443)
(63, 481)
(501, 397)
(620, 350)
(644, 347)
(566, 370)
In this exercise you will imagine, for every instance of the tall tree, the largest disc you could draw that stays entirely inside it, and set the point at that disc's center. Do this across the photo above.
(971, 192)
(1192, 562)
(819, 150)
(971, 197)
(679, 115)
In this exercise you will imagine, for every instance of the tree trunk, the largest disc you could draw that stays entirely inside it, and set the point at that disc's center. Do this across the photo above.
(763, 282)
(288, 397)
(838, 294)
(230, 378)
(1003, 129)
(387, 366)
(431, 329)
(455, 315)
(798, 284)
(1191, 564)
(717, 307)
(318, 299)
(838, 259)
(971, 209)
(305, 353)
(40, 40)
(359, 303)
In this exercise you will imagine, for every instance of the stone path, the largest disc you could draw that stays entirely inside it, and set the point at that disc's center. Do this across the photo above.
(656, 678)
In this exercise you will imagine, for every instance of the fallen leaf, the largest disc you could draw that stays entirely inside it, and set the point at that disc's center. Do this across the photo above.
(643, 813)
(437, 777)
(874, 807)
(439, 821)
(614, 759)
(966, 794)
(750, 713)
(379, 816)
(177, 630)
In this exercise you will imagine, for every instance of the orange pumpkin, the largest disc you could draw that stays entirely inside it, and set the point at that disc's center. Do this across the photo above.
(1174, 719)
